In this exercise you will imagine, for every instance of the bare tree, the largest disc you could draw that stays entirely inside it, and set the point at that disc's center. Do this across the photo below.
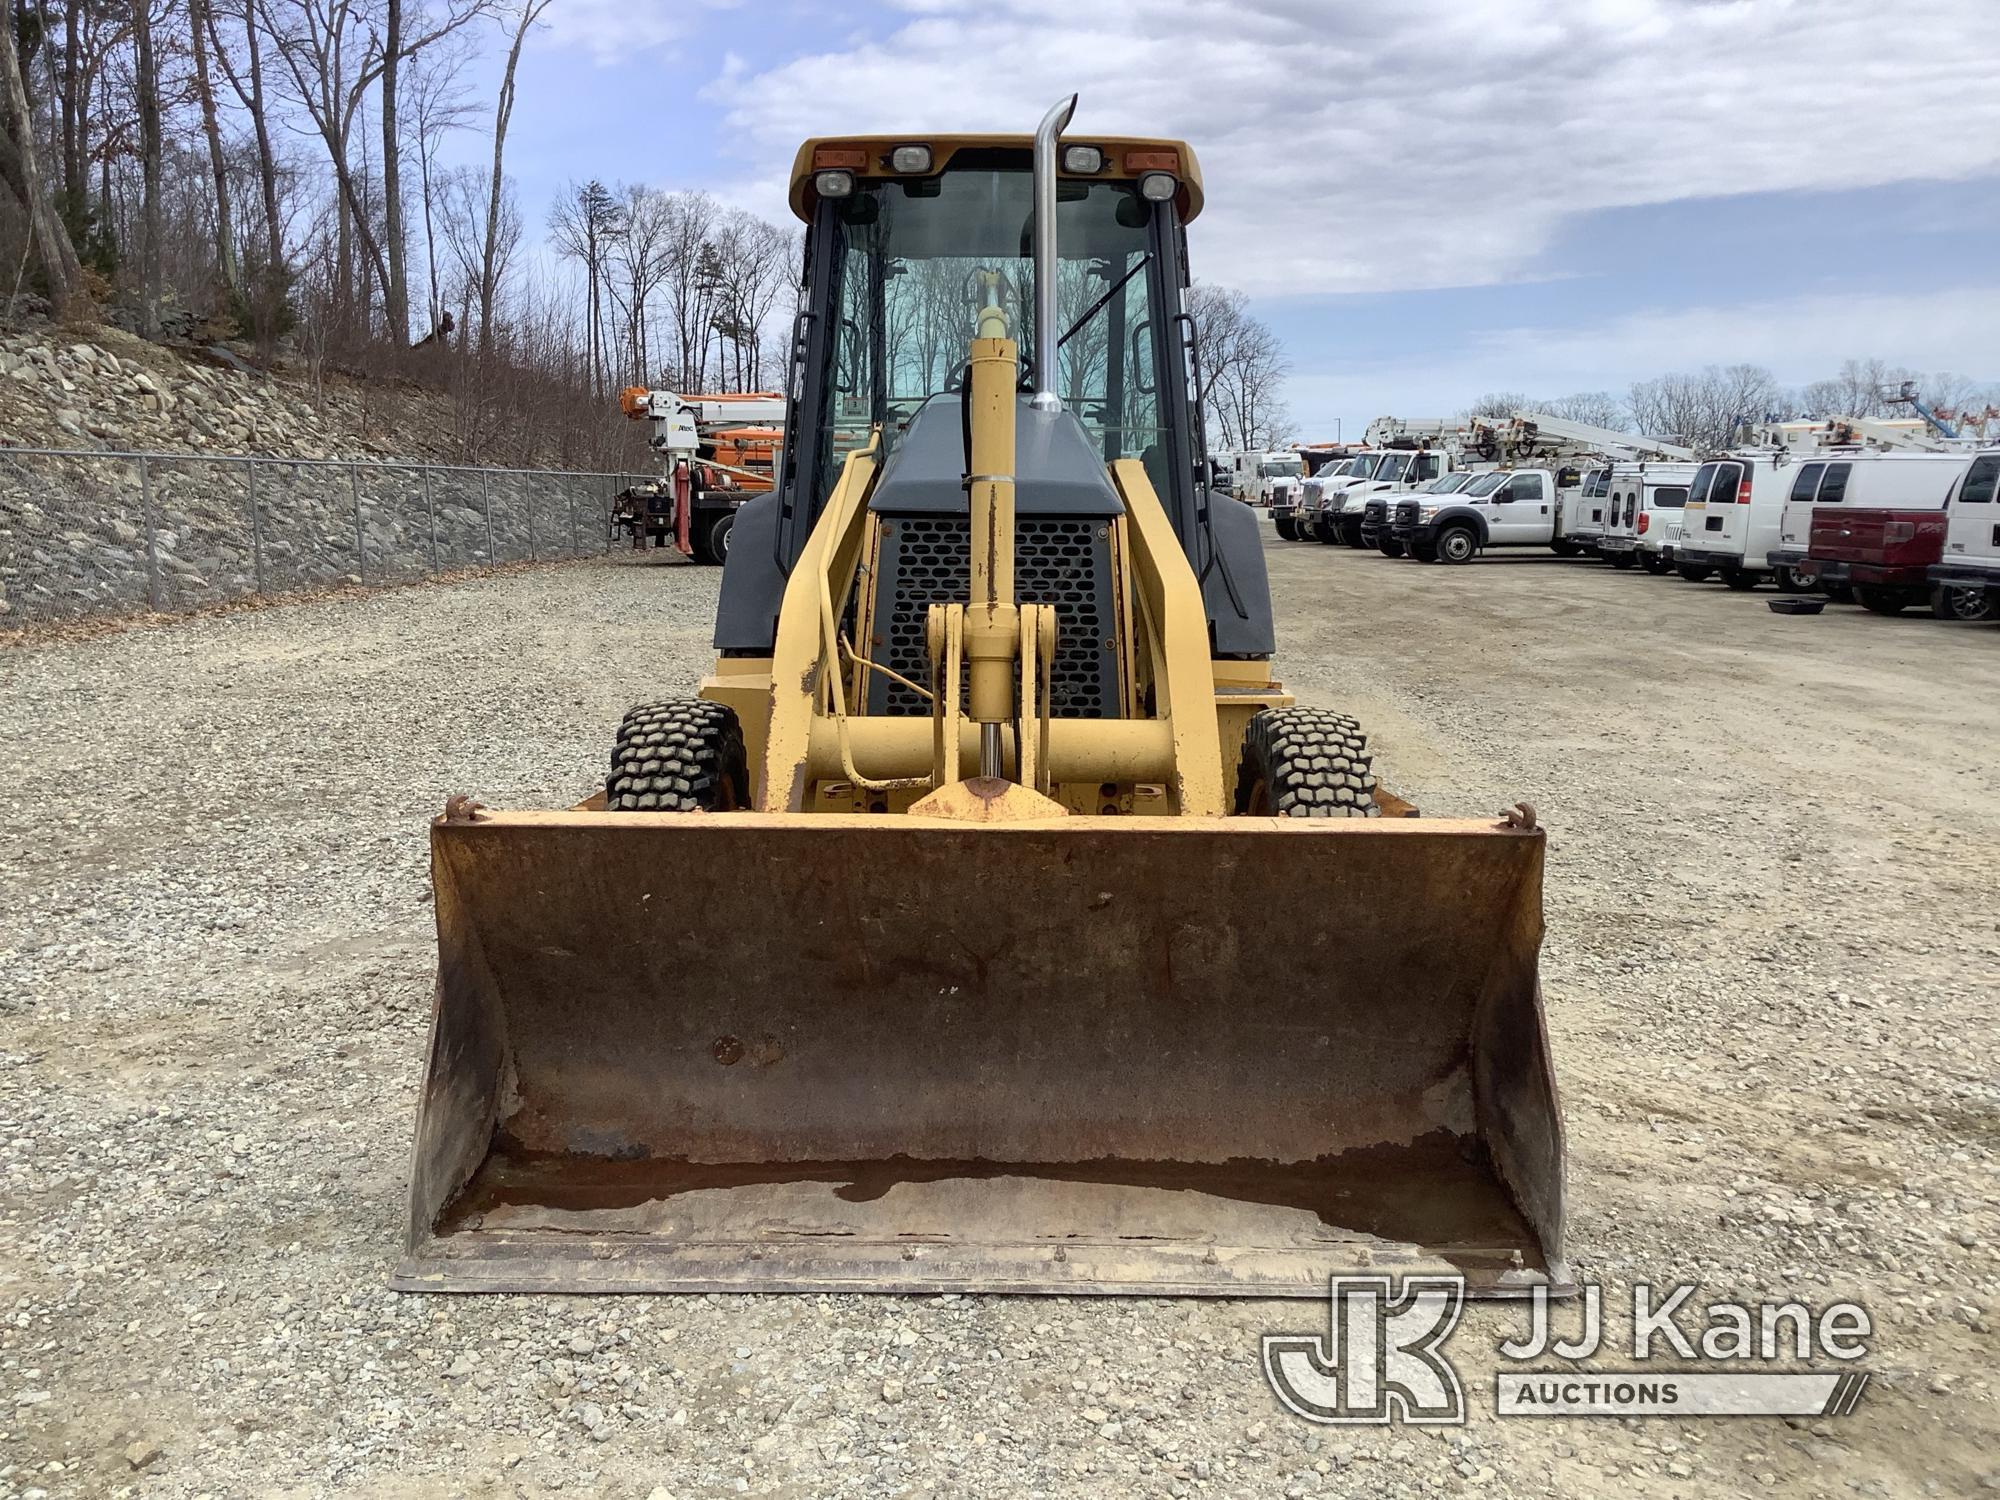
(1706, 411)
(316, 40)
(583, 226)
(1503, 404)
(211, 129)
(148, 87)
(249, 89)
(503, 112)
(438, 106)
(1594, 408)
(1242, 368)
(20, 173)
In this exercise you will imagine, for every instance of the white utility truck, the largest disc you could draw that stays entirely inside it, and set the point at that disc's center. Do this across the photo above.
(1268, 478)
(1504, 508)
(1643, 502)
(1294, 522)
(1415, 450)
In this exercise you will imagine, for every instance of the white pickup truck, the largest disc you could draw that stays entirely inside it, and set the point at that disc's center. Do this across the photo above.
(1506, 508)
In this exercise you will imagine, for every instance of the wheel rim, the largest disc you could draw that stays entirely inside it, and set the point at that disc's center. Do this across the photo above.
(1457, 546)
(1966, 604)
(722, 542)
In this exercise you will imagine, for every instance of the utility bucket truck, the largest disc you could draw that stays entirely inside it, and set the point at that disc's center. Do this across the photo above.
(719, 450)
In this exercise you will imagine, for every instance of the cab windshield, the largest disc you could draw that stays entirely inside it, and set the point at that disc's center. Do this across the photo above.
(1284, 468)
(1358, 468)
(1486, 484)
(1392, 467)
(917, 260)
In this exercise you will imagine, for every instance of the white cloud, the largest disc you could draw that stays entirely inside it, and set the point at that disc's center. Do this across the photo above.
(611, 31)
(1335, 139)
(1799, 339)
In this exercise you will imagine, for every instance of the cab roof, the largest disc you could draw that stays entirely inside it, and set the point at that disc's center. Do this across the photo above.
(1126, 158)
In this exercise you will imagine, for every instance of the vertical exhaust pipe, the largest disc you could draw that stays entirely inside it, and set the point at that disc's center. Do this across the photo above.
(1047, 136)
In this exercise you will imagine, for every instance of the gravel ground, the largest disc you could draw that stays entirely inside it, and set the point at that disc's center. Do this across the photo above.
(1772, 970)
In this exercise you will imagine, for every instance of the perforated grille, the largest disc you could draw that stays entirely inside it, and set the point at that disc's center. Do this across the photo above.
(1064, 561)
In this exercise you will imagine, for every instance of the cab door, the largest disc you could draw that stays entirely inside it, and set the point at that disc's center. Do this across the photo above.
(1520, 510)
(1972, 525)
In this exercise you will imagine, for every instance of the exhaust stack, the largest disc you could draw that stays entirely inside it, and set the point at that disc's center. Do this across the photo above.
(1047, 136)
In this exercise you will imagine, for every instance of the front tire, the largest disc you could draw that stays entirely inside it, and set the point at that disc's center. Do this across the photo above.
(1287, 527)
(1305, 763)
(683, 755)
(1350, 533)
(1964, 604)
(1741, 579)
(1456, 544)
(1388, 546)
(1692, 573)
(1424, 551)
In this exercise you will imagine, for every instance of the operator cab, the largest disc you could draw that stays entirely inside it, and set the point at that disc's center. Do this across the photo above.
(906, 241)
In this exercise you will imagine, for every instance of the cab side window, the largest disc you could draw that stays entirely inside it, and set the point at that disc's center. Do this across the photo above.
(1526, 487)
(1980, 481)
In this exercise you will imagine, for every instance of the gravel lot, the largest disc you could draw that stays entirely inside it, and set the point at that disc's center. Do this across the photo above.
(1773, 970)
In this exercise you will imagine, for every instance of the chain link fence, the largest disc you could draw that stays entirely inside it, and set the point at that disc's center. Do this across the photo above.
(88, 534)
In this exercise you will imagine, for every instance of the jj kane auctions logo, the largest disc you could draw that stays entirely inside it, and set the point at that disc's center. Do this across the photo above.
(1382, 1358)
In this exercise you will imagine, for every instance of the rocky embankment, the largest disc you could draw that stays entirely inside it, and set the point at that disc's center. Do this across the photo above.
(92, 532)
(110, 390)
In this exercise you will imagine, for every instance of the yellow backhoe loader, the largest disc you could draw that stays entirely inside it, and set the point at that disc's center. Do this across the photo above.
(992, 921)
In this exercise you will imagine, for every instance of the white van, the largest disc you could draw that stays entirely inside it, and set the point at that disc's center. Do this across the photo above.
(1642, 499)
(1730, 522)
(1969, 570)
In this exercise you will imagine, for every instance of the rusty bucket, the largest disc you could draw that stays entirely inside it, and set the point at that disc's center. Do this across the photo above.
(765, 1052)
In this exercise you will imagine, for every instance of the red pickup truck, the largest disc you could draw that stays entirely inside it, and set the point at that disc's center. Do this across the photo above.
(1885, 551)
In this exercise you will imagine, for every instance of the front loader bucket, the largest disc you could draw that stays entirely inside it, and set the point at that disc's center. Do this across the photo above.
(763, 1052)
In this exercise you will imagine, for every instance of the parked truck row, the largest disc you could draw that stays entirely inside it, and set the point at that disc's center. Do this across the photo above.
(1890, 515)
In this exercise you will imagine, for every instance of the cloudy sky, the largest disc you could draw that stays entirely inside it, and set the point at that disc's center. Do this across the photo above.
(1428, 199)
